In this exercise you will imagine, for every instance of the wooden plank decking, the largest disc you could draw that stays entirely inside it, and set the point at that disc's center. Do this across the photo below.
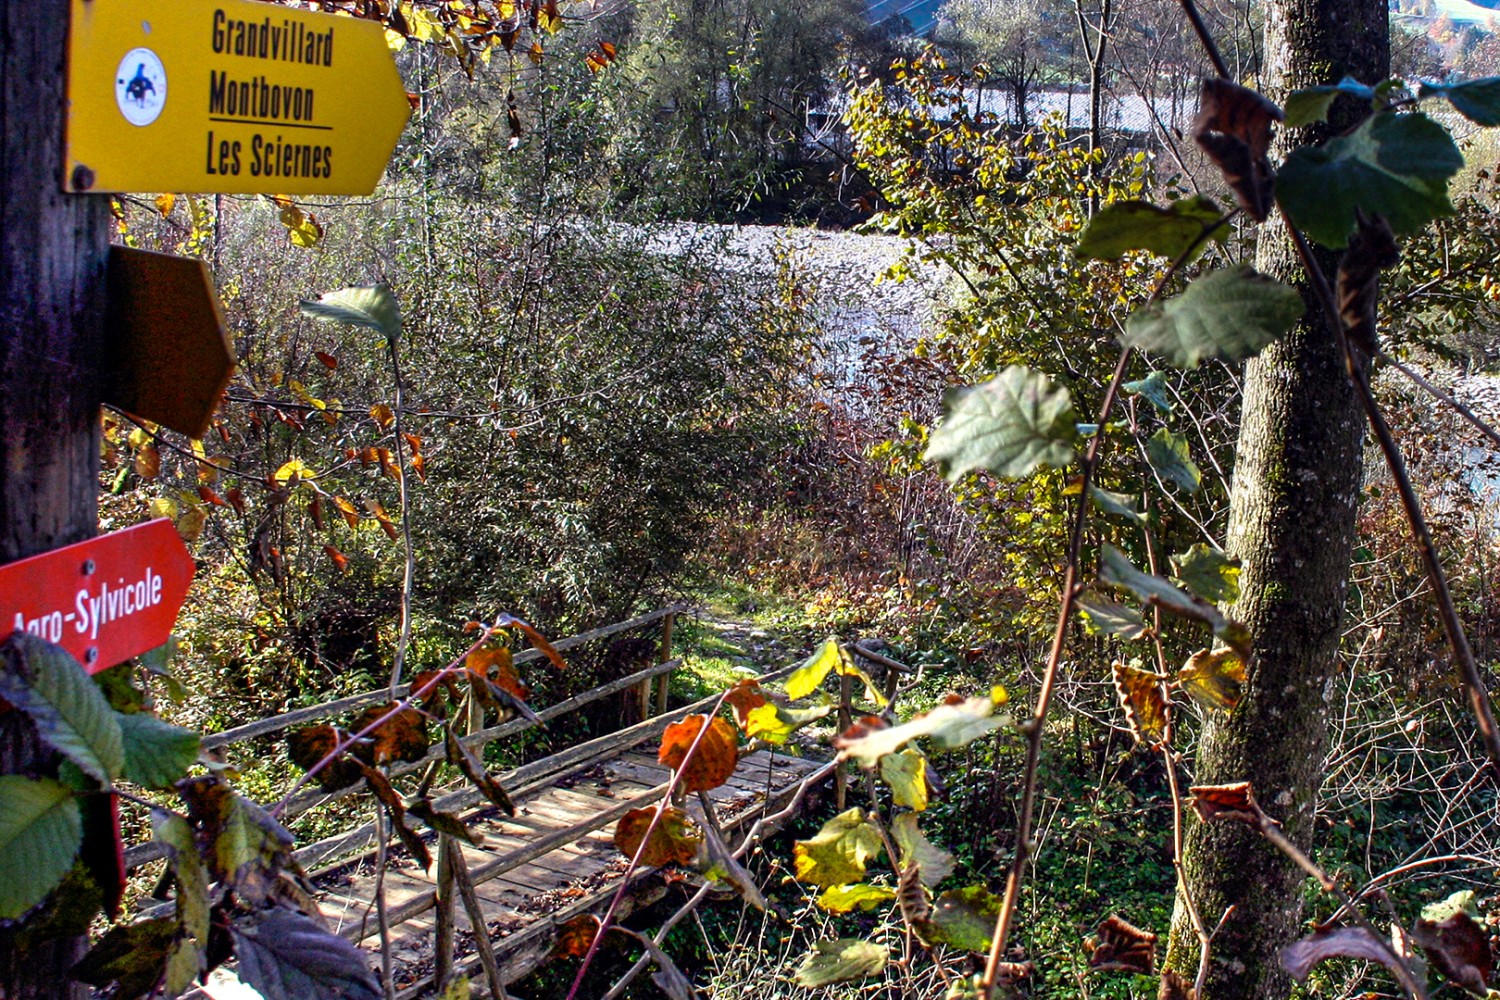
(524, 901)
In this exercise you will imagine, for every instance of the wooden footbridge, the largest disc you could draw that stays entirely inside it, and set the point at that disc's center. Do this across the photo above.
(492, 912)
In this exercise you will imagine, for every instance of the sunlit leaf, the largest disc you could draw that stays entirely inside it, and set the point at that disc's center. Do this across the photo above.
(860, 896)
(41, 830)
(1230, 314)
(675, 840)
(148, 462)
(1117, 571)
(309, 745)
(1008, 426)
(1123, 226)
(1394, 165)
(711, 763)
(744, 698)
(840, 961)
(383, 415)
(837, 855)
(402, 736)
(174, 834)
(294, 468)
(775, 724)
(1141, 699)
(906, 774)
(810, 675)
(373, 307)
(1214, 679)
(1153, 389)
(165, 203)
(955, 723)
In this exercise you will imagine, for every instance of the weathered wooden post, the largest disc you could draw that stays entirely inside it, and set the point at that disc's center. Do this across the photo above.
(52, 302)
(664, 682)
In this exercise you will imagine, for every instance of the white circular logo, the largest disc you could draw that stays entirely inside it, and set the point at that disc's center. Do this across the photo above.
(140, 86)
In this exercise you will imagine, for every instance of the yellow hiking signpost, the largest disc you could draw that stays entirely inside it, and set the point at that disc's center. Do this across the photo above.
(228, 97)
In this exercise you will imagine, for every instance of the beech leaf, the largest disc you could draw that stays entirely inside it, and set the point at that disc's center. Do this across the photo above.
(286, 955)
(1009, 426)
(675, 840)
(714, 760)
(1214, 679)
(1208, 573)
(1172, 458)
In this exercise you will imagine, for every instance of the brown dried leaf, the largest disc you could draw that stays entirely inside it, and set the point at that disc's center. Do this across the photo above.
(1371, 249)
(1234, 128)
(714, 760)
(1140, 696)
(1459, 948)
(1234, 803)
(473, 769)
(1174, 987)
(444, 823)
(1124, 947)
(1299, 957)
(575, 937)
(308, 746)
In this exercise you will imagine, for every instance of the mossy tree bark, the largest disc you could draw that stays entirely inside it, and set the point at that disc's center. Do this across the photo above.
(1296, 482)
(53, 249)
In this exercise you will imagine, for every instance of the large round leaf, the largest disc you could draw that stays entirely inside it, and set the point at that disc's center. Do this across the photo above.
(41, 830)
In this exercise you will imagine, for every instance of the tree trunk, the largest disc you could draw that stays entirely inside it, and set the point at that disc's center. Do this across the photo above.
(1296, 481)
(51, 310)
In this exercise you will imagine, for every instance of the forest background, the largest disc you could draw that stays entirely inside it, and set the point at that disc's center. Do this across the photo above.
(604, 406)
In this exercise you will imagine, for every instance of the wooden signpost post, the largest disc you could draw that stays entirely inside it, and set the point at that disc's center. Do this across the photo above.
(214, 96)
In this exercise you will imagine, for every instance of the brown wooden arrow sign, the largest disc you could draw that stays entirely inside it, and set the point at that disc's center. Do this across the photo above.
(168, 357)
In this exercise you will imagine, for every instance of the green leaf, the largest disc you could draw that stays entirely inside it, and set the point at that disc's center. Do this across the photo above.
(837, 855)
(1116, 570)
(71, 714)
(41, 830)
(933, 863)
(1119, 504)
(1102, 616)
(1393, 165)
(906, 773)
(371, 306)
(286, 955)
(133, 955)
(810, 675)
(1008, 426)
(963, 918)
(245, 846)
(1230, 313)
(839, 961)
(1172, 458)
(157, 753)
(1139, 225)
(1153, 389)
(860, 896)
(1311, 104)
(174, 833)
(949, 726)
(1208, 573)
(1477, 100)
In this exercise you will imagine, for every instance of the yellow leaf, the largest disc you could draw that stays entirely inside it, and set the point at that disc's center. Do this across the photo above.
(164, 204)
(383, 415)
(297, 468)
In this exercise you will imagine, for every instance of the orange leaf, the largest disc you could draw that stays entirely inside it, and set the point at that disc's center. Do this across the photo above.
(714, 760)
(148, 462)
(433, 699)
(576, 937)
(386, 465)
(1234, 802)
(675, 839)
(306, 747)
(329, 361)
(743, 699)
(379, 514)
(1140, 696)
(209, 496)
(401, 737)
(383, 415)
(316, 510)
(1123, 947)
(350, 512)
(536, 638)
(236, 500)
(420, 465)
(339, 559)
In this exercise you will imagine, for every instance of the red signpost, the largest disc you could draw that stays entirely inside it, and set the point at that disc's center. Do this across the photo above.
(103, 600)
